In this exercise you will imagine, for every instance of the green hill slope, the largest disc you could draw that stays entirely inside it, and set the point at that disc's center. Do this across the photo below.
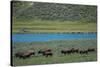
(39, 17)
(53, 11)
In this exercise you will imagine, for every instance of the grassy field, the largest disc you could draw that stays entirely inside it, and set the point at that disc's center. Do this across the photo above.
(56, 46)
(43, 26)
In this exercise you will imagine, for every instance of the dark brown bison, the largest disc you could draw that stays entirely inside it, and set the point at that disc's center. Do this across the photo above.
(44, 50)
(66, 51)
(19, 54)
(91, 49)
(47, 50)
(25, 54)
(83, 52)
(74, 50)
(46, 54)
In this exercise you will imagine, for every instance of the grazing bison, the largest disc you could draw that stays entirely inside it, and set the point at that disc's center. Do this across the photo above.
(91, 49)
(47, 50)
(19, 54)
(73, 50)
(69, 51)
(83, 52)
(25, 54)
(47, 54)
(44, 50)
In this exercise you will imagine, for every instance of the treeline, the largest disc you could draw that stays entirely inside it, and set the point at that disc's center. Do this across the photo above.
(53, 11)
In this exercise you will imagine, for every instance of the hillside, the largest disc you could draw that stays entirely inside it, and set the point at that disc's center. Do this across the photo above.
(53, 11)
(39, 17)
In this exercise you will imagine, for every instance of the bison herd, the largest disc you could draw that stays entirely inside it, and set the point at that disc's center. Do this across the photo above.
(50, 52)
(80, 51)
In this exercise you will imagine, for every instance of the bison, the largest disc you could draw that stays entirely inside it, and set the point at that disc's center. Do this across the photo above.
(66, 51)
(91, 49)
(44, 50)
(47, 54)
(83, 52)
(25, 54)
(74, 50)
(19, 54)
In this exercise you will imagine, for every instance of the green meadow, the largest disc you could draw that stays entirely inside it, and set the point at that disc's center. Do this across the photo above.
(43, 26)
(56, 47)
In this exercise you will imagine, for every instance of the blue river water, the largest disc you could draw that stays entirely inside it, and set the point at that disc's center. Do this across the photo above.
(49, 37)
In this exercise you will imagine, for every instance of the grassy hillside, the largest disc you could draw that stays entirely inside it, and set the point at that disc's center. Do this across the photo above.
(23, 10)
(39, 17)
